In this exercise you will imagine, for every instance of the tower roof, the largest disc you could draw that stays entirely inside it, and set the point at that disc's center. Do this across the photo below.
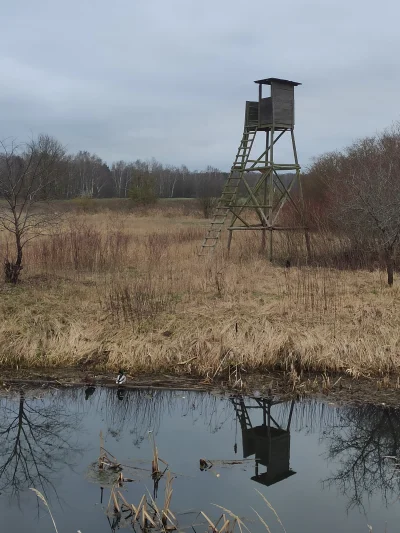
(269, 81)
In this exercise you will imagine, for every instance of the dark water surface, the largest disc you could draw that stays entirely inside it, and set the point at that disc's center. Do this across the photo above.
(323, 468)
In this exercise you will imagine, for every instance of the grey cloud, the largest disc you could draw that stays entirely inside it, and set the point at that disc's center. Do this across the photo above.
(169, 78)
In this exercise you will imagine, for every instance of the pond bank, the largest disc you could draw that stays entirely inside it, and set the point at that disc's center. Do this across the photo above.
(338, 389)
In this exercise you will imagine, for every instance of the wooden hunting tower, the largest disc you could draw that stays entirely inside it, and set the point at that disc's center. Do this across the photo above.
(274, 112)
(273, 187)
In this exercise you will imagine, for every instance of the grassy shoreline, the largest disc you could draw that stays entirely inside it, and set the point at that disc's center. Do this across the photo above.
(119, 290)
(341, 390)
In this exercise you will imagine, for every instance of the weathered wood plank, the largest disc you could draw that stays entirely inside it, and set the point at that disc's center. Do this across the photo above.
(283, 103)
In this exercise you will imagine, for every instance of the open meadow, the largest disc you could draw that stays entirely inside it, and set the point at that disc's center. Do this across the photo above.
(118, 289)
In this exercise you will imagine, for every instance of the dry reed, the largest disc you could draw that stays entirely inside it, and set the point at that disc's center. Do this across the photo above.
(113, 290)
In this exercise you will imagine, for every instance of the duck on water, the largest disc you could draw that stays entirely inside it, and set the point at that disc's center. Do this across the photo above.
(121, 378)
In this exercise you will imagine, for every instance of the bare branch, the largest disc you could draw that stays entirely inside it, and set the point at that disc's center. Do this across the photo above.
(27, 177)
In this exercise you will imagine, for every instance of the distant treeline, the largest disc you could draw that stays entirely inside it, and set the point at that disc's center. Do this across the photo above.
(86, 174)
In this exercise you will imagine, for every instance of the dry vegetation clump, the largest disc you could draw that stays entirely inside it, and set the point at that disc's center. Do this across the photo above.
(114, 289)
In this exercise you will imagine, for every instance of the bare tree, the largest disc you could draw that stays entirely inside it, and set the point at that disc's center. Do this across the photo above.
(91, 173)
(364, 182)
(121, 177)
(207, 192)
(36, 442)
(28, 174)
(362, 442)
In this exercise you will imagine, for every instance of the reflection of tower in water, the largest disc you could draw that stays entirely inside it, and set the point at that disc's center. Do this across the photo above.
(268, 442)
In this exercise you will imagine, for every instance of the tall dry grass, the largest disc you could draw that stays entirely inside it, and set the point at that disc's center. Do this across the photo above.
(114, 289)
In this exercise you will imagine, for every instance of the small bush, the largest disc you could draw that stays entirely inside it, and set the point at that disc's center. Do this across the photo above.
(138, 302)
(207, 205)
(143, 193)
(85, 204)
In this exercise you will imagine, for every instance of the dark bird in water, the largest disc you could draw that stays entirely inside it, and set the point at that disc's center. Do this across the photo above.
(121, 378)
(89, 391)
(121, 393)
(287, 264)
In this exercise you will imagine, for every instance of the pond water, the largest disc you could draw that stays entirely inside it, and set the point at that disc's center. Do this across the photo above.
(321, 467)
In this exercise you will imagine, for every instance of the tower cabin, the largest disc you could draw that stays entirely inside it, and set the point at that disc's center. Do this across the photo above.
(275, 112)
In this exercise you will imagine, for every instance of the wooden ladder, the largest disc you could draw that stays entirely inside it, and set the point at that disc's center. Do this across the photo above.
(228, 192)
(242, 413)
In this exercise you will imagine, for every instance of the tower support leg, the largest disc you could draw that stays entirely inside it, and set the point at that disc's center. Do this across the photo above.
(270, 246)
(308, 244)
(264, 232)
(229, 240)
(303, 207)
(263, 241)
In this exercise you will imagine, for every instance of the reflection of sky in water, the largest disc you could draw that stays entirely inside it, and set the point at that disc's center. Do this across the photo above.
(342, 481)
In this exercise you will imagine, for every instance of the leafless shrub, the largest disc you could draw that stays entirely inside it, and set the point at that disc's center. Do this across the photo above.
(82, 248)
(156, 245)
(138, 302)
(27, 177)
(207, 205)
(187, 235)
(364, 186)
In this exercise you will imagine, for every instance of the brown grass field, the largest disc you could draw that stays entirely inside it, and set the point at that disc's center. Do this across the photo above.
(117, 289)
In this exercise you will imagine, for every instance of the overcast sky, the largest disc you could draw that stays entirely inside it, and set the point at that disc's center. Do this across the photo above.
(131, 79)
